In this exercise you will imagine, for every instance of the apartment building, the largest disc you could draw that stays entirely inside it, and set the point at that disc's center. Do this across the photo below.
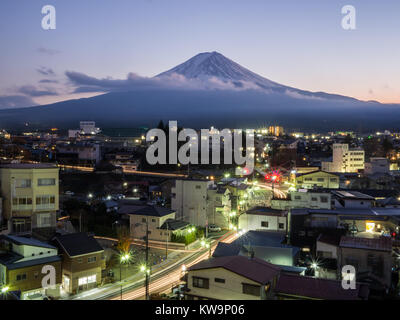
(22, 262)
(345, 159)
(30, 196)
(189, 200)
(83, 153)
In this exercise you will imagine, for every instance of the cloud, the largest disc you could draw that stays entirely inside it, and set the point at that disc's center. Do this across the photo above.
(16, 101)
(85, 83)
(298, 95)
(46, 71)
(48, 81)
(32, 91)
(48, 51)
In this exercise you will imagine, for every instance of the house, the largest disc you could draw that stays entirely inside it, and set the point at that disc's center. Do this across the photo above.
(243, 278)
(295, 287)
(159, 221)
(30, 196)
(23, 265)
(352, 199)
(317, 179)
(377, 165)
(371, 258)
(263, 218)
(304, 198)
(231, 278)
(268, 246)
(82, 261)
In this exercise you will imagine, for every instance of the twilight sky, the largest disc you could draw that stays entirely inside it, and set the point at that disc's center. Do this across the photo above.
(295, 43)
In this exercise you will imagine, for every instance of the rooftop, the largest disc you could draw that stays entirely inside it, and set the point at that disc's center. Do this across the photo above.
(26, 241)
(379, 244)
(326, 289)
(352, 195)
(144, 210)
(76, 244)
(28, 166)
(253, 269)
(265, 211)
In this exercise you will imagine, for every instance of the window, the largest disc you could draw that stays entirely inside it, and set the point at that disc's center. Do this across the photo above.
(264, 224)
(36, 275)
(281, 225)
(47, 182)
(45, 201)
(82, 281)
(91, 259)
(153, 220)
(333, 179)
(321, 179)
(297, 197)
(44, 220)
(198, 187)
(22, 183)
(91, 279)
(200, 282)
(21, 277)
(307, 179)
(219, 280)
(251, 289)
(314, 199)
(143, 219)
(324, 199)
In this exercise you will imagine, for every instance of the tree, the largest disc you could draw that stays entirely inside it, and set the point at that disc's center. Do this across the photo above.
(124, 240)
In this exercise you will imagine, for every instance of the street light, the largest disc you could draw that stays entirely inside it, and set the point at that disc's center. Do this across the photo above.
(5, 289)
(124, 258)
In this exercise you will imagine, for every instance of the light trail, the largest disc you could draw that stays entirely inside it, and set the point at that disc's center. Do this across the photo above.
(173, 277)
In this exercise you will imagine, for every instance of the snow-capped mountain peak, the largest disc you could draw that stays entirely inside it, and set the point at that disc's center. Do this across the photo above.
(208, 65)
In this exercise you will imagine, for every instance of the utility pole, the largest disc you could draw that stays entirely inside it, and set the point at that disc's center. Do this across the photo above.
(166, 248)
(147, 259)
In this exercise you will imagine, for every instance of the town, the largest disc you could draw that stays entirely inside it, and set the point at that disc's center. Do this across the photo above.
(86, 203)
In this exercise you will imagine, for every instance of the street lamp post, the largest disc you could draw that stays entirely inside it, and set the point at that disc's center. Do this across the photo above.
(123, 259)
(147, 259)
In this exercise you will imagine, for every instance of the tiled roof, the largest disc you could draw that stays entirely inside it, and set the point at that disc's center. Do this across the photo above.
(316, 288)
(253, 269)
(352, 195)
(76, 244)
(145, 210)
(264, 211)
(174, 224)
(380, 244)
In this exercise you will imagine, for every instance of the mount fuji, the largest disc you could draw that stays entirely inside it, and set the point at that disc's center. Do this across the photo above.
(208, 89)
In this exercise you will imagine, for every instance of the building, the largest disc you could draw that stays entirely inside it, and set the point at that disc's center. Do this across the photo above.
(189, 200)
(82, 261)
(243, 278)
(377, 165)
(231, 278)
(263, 219)
(159, 221)
(30, 196)
(351, 200)
(345, 159)
(86, 128)
(22, 262)
(80, 153)
(317, 179)
(371, 258)
(276, 130)
(304, 198)
(219, 206)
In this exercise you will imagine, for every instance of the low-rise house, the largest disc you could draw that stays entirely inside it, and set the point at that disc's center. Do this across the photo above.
(243, 278)
(371, 258)
(304, 198)
(290, 287)
(159, 221)
(231, 278)
(317, 179)
(263, 219)
(82, 261)
(22, 266)
(352, 200)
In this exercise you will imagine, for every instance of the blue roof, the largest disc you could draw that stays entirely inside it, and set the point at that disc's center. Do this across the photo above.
(262, 238)
(11, 265)
(27, 241)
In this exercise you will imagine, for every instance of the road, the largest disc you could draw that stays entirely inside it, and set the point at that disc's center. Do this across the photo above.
(171, 276)
(278, 191)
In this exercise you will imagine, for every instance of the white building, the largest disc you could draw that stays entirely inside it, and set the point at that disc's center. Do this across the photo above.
(303, 199)
(200, 202)
(345, 159)
(86, 128)
(263, 219)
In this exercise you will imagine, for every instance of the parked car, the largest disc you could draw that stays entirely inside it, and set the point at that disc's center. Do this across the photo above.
(214, 228)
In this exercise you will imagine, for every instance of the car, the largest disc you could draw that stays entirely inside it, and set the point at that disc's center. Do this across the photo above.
(69, 193)
(214, 228)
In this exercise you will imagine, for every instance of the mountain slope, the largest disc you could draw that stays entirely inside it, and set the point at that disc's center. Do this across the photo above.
(248, 100)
